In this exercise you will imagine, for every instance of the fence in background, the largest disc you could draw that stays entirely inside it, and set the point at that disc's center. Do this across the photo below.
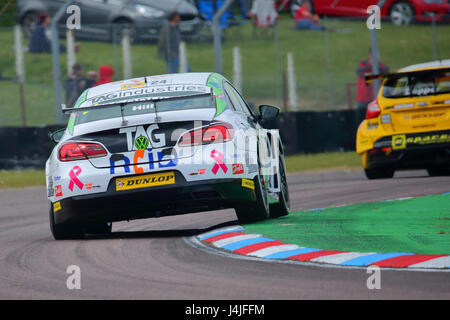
(301, 132)
(323, 64)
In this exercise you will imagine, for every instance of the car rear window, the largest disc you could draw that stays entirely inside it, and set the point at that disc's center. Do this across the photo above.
(204, 101)
(417, 84)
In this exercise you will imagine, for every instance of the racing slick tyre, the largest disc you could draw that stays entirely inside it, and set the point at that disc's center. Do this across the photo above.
(438, 171)
(258, 211)
(99, 228)
(372, 174)
(64, 231)
(281, 208)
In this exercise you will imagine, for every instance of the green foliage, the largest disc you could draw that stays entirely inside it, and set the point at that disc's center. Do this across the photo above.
(7, 19)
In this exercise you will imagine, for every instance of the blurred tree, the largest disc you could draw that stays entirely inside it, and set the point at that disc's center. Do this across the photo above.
(7, 13)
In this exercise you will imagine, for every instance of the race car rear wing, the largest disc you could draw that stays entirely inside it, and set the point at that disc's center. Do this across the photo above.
(370, 77)
(124, 102)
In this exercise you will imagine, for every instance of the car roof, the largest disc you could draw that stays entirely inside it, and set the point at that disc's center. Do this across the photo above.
(427, 65)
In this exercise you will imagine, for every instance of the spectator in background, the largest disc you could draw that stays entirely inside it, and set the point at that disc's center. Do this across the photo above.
(92, 78)
(105, 74)
(75, 85)
(39, 39)
(264, 13)
(169, 43)
(364, 92)
(305, 20)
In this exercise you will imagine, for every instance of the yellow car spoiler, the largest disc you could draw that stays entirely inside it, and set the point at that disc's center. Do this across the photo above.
(370, 77)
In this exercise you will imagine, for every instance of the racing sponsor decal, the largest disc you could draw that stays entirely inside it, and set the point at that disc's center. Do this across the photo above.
(139, 138)
(145, 181)
(58, 191)
(199, 171)
(147, 91)
(144, 106)
(215, 82)
(50, 190)
(73, 174)
(238, 168)
(132, 85)
(428, 139)
(398, 141)
(56, 206)
(141, 143)
(402, 141)
(218, 158)
(247, 183)
(151, 158)
(428, 115)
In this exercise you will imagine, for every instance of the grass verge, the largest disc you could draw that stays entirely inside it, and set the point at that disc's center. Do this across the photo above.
(419, 225)
(21, 178)
(323, 161)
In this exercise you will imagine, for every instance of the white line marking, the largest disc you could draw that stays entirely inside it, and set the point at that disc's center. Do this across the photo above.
(224, 242)
(441, 262)
(232, 228)
(340, 257)
(275, 249)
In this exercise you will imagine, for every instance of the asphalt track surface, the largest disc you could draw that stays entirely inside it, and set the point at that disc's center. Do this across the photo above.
(151, 259)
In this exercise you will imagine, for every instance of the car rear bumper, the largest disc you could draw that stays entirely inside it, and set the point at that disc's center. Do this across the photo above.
(180, 198)
(411, 151)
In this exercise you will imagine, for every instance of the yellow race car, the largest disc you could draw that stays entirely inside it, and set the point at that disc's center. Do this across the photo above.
(408, 125)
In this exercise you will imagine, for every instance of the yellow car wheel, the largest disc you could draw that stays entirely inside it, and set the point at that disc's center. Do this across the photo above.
(438, 171)
(379, 173)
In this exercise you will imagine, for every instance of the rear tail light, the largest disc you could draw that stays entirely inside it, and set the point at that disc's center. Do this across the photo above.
(216, 133)
(81, 151)
(386, 150)
(373, 110)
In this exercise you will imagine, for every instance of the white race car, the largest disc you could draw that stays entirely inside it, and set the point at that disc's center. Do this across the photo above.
(163, 145)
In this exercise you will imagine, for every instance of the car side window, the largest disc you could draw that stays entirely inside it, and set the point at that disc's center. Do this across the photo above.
(239, 100)
(232, 96)
(229, 101)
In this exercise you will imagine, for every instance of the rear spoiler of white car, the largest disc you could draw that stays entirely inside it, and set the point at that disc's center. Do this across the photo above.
(124, 102)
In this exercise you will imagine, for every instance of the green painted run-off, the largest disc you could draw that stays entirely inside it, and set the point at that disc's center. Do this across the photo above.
(419, 225)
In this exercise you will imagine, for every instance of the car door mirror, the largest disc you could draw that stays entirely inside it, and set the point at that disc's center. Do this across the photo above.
(268, 112)
(56, 136)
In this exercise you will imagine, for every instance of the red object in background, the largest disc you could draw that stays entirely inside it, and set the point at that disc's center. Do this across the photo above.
(104, 74)
(358, 8)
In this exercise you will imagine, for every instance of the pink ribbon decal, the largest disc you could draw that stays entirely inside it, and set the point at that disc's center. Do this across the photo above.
(74, 179)
(218, 158)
